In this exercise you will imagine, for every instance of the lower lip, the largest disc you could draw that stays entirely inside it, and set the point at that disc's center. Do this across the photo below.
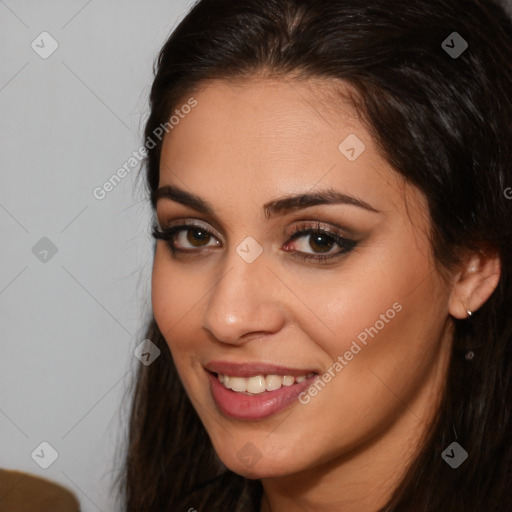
(255, 407)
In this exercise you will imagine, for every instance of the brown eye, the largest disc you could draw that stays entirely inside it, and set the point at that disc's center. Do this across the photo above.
(314, 243)
(321, 243)
(186, 238)
(197, 236)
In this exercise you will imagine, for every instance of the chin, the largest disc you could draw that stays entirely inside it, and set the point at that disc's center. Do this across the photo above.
(252, 464)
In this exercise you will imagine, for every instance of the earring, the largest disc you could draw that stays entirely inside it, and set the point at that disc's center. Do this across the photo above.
(469, 355)
(469, 312)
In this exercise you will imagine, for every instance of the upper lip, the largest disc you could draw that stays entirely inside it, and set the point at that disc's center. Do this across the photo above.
(252, 369)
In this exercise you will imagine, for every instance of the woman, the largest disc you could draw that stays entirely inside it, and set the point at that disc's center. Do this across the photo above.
(331, 281)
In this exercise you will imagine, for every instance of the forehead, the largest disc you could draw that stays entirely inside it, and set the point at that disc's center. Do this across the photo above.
(279, 119)
(261, 138)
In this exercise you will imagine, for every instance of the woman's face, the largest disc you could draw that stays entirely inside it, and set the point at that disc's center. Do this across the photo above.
(250, 299)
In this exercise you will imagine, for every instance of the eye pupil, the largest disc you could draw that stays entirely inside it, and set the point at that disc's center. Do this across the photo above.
(316, 243)
(203, 236)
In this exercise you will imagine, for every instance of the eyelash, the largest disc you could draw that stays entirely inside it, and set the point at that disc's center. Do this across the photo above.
(347, 245)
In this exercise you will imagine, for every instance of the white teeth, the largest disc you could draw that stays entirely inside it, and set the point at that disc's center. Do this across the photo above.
(259, 383)
(288, 380)
(238, 384)
(256, 384)
(273, 382)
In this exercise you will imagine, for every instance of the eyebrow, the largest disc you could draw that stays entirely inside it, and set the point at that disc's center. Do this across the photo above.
(271, 209)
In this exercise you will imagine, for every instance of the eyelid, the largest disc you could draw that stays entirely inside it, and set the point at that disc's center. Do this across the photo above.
(188, 223)
(299, 224)
(325, 227)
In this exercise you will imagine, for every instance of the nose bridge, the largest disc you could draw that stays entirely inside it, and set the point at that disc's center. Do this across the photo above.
(243, 300)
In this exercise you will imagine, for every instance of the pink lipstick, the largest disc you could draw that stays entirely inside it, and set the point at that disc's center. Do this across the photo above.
(253, 391)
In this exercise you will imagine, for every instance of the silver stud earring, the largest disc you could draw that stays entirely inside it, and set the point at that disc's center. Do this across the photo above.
(469, 312)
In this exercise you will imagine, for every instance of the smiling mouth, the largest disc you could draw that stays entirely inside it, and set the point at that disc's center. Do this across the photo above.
(253, 391)
(258, 384)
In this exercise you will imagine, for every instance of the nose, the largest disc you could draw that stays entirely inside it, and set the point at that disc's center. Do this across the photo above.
(245, 302)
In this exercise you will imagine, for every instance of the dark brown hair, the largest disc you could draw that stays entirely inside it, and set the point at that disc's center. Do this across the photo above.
(445, 124)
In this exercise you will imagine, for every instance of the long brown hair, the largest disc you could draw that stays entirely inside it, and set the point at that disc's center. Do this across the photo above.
(445, 123)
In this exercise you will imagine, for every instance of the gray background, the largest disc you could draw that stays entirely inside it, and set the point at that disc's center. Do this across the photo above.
(69, 324)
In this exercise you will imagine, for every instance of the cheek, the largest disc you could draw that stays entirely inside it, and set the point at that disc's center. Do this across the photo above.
(387, 328)
(173, 295)
(173, 300)
(384, 319)
(367, 301)
(176, 295)
(162, 297)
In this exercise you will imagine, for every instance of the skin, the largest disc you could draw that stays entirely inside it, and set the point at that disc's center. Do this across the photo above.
(251, 142)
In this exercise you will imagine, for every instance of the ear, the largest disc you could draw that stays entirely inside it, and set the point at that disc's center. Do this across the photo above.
(475, 282)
